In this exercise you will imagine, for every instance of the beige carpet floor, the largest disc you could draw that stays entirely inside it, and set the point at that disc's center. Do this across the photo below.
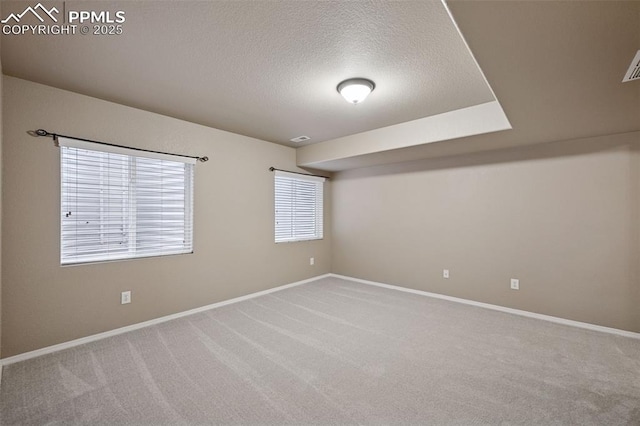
(335, 352)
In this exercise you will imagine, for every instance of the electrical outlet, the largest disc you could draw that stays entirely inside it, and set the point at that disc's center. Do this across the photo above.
(445, 273)
(515, 284)
(125, 297)
(312, 261)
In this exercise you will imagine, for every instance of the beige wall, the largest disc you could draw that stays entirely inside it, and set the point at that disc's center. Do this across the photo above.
(45, 304)
(635, 217)
(1, 97)
(562, 217)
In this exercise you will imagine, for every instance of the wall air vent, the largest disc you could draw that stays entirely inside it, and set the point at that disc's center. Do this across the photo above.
(300, 139)
(634, 69)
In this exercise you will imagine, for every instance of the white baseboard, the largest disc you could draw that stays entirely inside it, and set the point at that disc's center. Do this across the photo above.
(550, 318)
(106, 334)
(121, 330)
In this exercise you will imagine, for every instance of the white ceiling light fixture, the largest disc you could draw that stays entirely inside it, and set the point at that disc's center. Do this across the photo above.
(356, 90)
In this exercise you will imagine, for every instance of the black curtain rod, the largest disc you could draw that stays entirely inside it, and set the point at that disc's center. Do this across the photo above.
(42, 132)
(298, 173)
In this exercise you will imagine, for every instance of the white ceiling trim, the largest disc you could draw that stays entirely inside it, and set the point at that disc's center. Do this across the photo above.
(478, 119)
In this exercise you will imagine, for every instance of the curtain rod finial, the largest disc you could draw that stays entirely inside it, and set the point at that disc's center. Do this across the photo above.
(42, 132)
(203, 159)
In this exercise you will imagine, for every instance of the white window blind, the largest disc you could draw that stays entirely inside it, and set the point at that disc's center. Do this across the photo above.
(118, 203)
(299, 207)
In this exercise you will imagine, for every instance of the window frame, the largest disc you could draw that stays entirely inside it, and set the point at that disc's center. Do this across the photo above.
(131, 202)
(306, 181)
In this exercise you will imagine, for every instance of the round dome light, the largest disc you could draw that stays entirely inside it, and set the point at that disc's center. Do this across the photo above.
(356, 90)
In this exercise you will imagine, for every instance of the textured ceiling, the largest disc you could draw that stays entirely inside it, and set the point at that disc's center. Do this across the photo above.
(555, 66)
(263, 69)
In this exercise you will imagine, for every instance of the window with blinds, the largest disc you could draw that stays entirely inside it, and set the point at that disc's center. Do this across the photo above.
(118, 203)
(299, 207)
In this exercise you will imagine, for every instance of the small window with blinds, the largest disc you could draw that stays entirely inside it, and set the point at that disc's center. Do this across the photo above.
(298, 207)
(119, 203)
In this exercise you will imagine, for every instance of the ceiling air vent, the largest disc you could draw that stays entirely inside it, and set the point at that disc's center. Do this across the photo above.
(634, 69)
(300, 139)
